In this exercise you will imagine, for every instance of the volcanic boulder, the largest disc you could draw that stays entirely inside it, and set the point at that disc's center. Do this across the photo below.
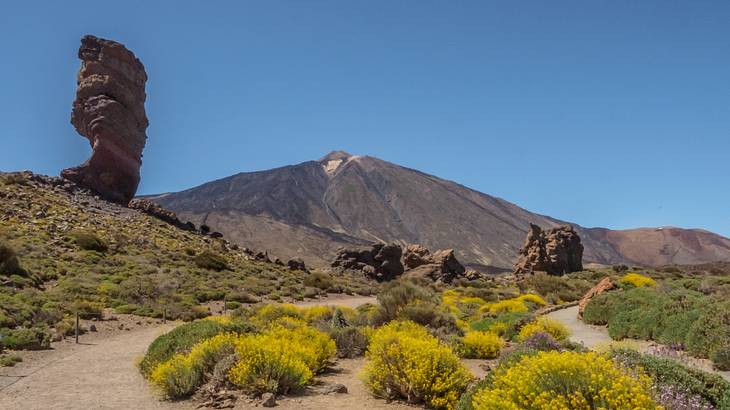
(297, 264)
(381, 261)
(556, 251)
(109, 111)
(440, 265)
(605, 285)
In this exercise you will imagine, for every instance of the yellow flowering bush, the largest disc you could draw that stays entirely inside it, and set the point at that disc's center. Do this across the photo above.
(269, 364)
(533, 298)
(280, 359)
(481, 345)
(637, 280)
(514, 305)
(507, 305)
(545, 325)
(286, 355)
(221, 320)
(266, 314)
(315, 348)
(406, 361)
(182, 374)
(565, 381)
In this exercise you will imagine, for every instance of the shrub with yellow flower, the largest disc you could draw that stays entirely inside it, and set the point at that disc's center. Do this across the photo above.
(636, 280)
(481, 345)
(405, 361)
(545, 325)
(565, 380)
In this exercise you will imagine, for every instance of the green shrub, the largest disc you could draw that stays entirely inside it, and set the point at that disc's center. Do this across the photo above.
(507, 324)
(428, 314)
(318, 280)
(555, 289)
(351, 341)
(711, 331)
(674, 316)
(242, 297)
(184, 337)
(9, 264)
(25, 339)
(89, 241)
(232, 305)
(10, 360)
(721, 358)
(398, 294)
(211, 261)
(710, 387)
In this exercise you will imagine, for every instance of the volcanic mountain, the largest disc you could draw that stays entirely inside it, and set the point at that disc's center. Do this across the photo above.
(310, 209)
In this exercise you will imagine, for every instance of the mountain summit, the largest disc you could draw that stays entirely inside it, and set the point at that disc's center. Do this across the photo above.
(311, 209)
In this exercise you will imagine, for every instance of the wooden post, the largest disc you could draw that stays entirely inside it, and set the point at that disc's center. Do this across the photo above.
(77, 328)
(224, 305)
(164, 314)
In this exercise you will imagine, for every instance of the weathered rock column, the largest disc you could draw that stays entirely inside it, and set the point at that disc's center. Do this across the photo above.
(109, 111)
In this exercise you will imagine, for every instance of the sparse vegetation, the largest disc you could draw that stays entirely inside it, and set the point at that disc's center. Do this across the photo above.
(140, 266)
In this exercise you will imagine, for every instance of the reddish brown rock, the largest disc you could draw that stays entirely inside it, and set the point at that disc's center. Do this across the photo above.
(380, 262)
(109, 112)
(440, 265)
(556, 251)
(603, 286)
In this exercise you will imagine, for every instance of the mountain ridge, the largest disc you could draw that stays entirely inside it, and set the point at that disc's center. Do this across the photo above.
(347, 200)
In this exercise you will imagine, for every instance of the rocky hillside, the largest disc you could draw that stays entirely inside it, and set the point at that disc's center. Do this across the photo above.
(345, 200)
(64, 249)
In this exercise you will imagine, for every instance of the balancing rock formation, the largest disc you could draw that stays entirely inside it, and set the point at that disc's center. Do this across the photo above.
(556, 251)
(109, 111)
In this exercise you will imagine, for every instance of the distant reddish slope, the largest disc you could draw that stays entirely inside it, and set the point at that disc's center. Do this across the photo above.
(664, 246)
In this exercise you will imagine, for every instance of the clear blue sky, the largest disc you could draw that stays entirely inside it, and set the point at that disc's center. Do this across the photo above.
(604, 113)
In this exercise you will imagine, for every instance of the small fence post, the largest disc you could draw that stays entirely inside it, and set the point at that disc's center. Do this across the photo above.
(225, 309)
(77, 328)
(164, 314)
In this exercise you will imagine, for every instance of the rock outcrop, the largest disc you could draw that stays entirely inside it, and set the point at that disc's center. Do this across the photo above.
(109, 111)
(440, 265)
(153, 209)
(386, 262)
(605, 285)
(556, 251)
(380, 262)
(297, 264)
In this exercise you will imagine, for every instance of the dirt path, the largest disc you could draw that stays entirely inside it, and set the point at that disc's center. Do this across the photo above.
(596, 337)
(340, 300)
(100, 373)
